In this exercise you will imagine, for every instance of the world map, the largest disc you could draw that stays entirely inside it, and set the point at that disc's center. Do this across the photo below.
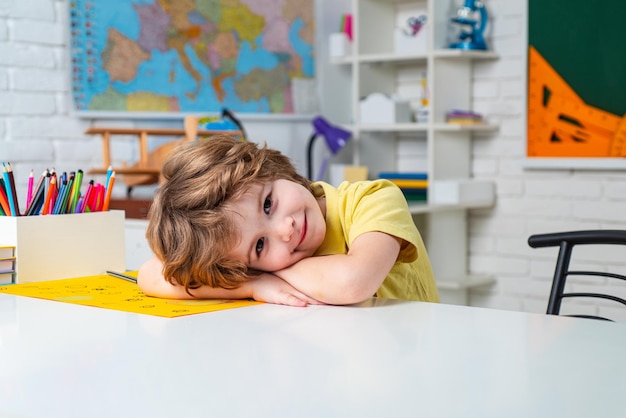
(190, 55)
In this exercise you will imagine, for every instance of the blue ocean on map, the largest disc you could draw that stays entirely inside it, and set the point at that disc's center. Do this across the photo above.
(184, 83)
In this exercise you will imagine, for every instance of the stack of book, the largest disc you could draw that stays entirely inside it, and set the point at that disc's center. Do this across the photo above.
(7, 264)
(414, 186)
(464, 117)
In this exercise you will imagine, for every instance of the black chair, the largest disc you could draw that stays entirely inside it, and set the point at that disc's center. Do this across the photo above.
(566, 241)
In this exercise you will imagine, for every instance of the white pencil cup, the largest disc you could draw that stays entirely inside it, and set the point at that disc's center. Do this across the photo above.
(49, 247)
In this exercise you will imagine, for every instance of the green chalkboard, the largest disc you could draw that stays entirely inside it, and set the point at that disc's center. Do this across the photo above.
(585, 42)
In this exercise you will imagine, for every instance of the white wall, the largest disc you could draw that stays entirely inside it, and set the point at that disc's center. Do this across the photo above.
(531, 201)
(37, 128)
(36, 131)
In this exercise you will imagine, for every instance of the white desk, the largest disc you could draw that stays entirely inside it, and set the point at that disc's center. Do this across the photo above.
(379, 359)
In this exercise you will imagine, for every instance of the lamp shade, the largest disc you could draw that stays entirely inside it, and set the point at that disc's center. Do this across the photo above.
(336, 138)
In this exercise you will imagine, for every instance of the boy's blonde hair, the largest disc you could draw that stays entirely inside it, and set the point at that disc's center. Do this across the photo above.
(189, 229)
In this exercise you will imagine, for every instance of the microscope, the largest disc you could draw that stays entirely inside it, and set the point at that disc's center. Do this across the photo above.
(473, 18)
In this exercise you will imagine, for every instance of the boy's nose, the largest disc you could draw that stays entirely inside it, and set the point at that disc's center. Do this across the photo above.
(285, 228)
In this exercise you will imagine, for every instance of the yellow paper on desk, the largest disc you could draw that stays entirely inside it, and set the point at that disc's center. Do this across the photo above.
(104, 291)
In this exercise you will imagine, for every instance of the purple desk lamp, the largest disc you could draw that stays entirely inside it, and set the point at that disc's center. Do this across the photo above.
(336, 138)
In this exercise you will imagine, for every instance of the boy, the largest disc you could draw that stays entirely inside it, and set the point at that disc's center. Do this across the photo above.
(235, 221)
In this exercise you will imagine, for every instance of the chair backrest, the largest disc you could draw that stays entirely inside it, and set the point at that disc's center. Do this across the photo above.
(566, 241)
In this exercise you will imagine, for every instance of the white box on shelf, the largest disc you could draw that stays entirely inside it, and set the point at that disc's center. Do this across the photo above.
(405, 43)
(462, 191)
(49, 247)
(339, 45)
(378, 108)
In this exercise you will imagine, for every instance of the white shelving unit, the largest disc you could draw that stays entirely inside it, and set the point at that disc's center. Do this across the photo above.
(442, 150)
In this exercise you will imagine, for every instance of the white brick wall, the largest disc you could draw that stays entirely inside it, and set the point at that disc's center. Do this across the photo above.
(37, 130)
(534, 201)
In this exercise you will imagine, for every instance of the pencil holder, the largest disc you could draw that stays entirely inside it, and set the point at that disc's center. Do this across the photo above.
(49, 247)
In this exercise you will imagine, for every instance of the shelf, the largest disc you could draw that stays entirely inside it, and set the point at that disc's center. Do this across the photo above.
(462, 53)
(425, 208)
(454, 127)
(423, 127)
(442, 150)
(467, 282)
(347, 60)
(395, 127)
(392, 58)
(127, 170)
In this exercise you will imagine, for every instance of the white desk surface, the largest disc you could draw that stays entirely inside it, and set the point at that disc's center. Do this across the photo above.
(378, 359)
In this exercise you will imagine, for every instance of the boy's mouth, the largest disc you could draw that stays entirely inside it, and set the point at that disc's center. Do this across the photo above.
(302, 232)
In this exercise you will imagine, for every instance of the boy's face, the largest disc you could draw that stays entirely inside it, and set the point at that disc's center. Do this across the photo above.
(280, 223)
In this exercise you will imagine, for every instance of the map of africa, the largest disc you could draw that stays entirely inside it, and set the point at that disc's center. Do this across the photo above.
(190, 55)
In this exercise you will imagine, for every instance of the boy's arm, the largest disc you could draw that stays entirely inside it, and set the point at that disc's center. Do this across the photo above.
(346, 278)
(263, 288)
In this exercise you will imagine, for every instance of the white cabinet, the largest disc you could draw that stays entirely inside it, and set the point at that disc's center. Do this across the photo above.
(377, 64)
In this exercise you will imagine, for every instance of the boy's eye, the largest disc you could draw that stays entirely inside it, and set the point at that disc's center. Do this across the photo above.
(267, 204)
(259, 245)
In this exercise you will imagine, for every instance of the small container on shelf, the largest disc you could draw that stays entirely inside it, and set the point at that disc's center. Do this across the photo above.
(340, 43)
(422, 114)
(378, 108)
(412, 38)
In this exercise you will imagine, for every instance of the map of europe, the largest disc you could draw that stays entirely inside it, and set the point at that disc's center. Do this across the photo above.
(190, 55)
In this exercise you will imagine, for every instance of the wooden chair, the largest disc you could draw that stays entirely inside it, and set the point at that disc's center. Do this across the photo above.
(147, 169)
(566, 241)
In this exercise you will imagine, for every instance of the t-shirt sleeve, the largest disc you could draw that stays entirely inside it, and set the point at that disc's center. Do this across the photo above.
(380, 206)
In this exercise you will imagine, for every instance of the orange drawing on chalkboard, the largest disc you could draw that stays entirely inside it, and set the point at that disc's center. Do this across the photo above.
(561, 124)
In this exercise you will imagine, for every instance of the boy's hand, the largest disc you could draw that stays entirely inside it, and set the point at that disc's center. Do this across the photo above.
(271, 289)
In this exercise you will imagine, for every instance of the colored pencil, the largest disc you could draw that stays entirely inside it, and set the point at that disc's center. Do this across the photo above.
(65, 201)
(13, 189)
(109, 189)
(39, 185)
(35, 206)
(96, 199)
(4, 201)
(79, 204)
(87, 196)
(76, 191)
(45, 210)
(122, 276)
(9, 192)
(59, 200)
(92, 203)
(29, 192)
(109, 173)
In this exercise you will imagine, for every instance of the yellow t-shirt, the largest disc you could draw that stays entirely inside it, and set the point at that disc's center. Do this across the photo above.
(355, 208)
